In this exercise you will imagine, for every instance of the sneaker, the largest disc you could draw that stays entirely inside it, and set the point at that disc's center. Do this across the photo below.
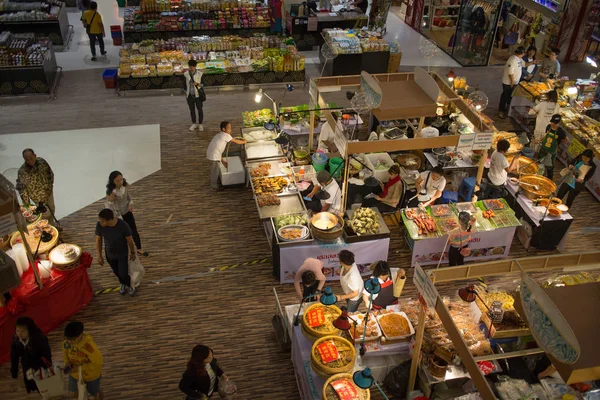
(123, 290)
(194, 126)
(200, 127)
(94, 59)
(131, 290)
(103, 53)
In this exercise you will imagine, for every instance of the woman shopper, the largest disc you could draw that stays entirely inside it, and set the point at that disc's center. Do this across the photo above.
(388, 198)
(200, 379)
(31, 347)
(92, 22)
(119, 200)
(459, 240)
(350, 280)
(530, 64)
(544, 111)
(387, 277)
(583, 168)
(195, 94)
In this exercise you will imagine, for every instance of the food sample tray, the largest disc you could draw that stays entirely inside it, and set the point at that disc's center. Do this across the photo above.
(441, 210)
(275, 169)
(446, 224)
(495, 204)
(409, 211)
(403, 315)
(360, 328)
(263, 150)
(469, 207)
(290, 204)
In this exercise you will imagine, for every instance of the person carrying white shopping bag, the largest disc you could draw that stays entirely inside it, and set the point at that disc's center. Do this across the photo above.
(49, 381)
(84, 362)
(136, 272)
(203, 377)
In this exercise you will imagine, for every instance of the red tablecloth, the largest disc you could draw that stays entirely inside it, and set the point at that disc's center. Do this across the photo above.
(63, 295)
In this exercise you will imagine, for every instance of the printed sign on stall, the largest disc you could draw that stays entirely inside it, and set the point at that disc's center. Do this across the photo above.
(425, 286)
(328, 352)
(315, 317)
(465, 142)
(344, 389)
(576, 148)
(483, 140)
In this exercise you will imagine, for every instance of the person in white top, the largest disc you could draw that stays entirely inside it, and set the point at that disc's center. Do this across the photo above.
(332, 204)
(512, 75)
(429, 131)
(350, 280)
(214, 154)
(499, 169)
(544, 111)
(433, 183)
(194, 94)
(327, 135)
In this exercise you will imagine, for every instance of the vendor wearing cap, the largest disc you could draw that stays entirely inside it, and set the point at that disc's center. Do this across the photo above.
(555, 135)
(326, 183)
(431, 184)
(388, 278)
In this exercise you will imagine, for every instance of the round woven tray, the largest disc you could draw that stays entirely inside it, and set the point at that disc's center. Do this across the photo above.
(33, 242)
(345, 364)
(65, 265)
(330, 394)
(331, 314)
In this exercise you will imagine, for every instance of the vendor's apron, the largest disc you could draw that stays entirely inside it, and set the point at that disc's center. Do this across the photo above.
(386, 295)
(550, 142)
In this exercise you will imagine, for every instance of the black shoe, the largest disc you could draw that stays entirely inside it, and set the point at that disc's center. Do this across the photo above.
(94, 59)
(220, 188)
(103, 53)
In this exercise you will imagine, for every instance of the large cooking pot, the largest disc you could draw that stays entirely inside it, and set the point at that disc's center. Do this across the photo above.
(526, 165)
(326, 227)
(545, 186)
(444, 160)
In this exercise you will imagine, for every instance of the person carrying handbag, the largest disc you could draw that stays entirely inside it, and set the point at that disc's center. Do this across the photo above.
(31, 347)
(92, 22)
(83, 361)
(194, 92)
(459, 240)
(203, 375)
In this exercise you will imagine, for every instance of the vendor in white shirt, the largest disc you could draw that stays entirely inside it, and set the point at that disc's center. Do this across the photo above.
(387, 277)
(327, 135)
(429, 131)
(334, 203)
(350, 280)
(499, 169)
(432, 183)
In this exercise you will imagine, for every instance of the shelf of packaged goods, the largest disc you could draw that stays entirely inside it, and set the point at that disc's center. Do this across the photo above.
(446, 28)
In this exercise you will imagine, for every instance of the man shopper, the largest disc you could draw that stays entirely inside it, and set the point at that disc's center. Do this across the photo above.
(512, 75)
(92, 22)
(194, 94)
(81, 353)
(216, 147)
(37, 180)
(117, 239)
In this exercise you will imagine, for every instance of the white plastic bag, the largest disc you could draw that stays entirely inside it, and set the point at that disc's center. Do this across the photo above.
(49, 381)
(227, 389)
(136, 272)
(82, 393)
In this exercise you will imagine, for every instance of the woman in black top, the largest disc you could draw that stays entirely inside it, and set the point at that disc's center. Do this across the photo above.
(31, 346)
(201, 377)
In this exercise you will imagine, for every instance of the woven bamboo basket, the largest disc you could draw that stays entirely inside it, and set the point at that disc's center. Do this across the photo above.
(330, 394)
(61, 261)
(327, 329)
(33, 242)
(345, 363)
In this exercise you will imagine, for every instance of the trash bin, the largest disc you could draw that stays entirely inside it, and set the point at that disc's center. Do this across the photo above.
(336, 166)
(319, 161)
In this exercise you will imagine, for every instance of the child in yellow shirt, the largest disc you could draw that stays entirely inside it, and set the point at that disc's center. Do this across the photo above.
(80, 352)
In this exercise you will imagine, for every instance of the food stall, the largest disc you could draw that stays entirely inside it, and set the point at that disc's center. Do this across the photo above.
(427, 231)
(496, 305)
(47, 281)
(223, 60)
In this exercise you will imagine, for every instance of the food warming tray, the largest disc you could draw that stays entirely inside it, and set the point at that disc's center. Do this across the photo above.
(262, 150)
(275, 169)
(257, 134)
(290, 204)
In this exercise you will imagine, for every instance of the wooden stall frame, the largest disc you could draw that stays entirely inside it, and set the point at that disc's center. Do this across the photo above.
(338, 83)
(567, 262)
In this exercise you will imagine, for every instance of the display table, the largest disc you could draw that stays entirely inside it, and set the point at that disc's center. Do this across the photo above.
(63, 295)
(307, 34)
(211, 80)
(459, 165)
(549, 234)
(373, 62)
(138, 36)
(30, 79)
(57, 30)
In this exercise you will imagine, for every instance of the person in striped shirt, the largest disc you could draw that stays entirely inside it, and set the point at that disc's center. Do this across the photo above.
(459, 239)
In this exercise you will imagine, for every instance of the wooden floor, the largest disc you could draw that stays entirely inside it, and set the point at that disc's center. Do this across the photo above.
(147, 339)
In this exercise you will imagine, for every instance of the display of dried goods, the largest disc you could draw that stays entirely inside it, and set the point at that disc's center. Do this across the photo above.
(268, 200)
(425, 224)
(273, 185)
(493, 204)
(261, 170)
(441, 210)
(345, 351)
(342, 386)
(364, 222)
(330, 313)
(488, 214)
(570, 280)
(504, 298)
(394, 325)
(411, 213)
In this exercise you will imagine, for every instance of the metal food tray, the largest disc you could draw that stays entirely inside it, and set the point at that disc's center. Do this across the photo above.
(384, 231)
(489, 206)
(402, 314)
(290, 204)
(273, 171)
(249, 130)
(469, 207)
(285, 192)
(442, 227)
(250, 154)
(441, 206)
(359, 332)
(285, 243)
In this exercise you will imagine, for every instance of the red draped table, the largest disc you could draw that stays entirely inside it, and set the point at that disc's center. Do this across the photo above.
(63, 295)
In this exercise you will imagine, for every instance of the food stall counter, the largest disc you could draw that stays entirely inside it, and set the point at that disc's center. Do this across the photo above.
(458, 164)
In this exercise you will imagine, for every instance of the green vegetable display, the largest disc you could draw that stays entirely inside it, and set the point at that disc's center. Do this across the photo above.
(364, 222)
(285, 220)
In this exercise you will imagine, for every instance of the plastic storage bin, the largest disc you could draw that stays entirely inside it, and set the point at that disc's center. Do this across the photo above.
(334, 166)
(235, 174)
(109, 76)
(319, 161)
(374, 158)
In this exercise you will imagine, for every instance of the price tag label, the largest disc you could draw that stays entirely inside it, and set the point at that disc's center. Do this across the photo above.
(576, 147)
(344, 389)
(315, 317)
(486, 367)
(328, 352)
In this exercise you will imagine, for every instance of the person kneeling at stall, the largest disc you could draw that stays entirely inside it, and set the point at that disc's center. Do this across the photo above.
(431, 184)
(83, 360)
(392, 282)
(350, 280)
(333, 203)
(389, 197)
(459, 240)
(309, 279)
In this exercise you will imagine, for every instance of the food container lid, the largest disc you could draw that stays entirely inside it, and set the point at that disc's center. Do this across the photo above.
(65, 254)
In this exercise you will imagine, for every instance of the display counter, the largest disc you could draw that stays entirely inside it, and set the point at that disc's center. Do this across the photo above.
(56, 29)
(549, 233)
(306, 31)
(30, 79)
(491, 238)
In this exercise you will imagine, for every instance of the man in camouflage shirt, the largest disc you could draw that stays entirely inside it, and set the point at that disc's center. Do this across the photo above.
(38, 180)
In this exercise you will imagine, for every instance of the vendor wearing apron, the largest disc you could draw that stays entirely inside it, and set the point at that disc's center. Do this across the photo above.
(387, 296)
(309, 279)
(555, 135)
(432, 183)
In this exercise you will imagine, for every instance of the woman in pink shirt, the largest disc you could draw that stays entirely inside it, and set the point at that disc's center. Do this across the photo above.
(312, 278)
